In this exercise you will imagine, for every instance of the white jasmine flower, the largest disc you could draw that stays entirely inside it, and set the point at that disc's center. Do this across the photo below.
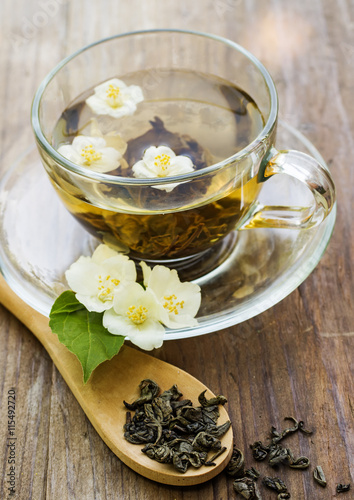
(162, 162)
(113, 138)
(115, 98)
(136, 313)
(146, 273)
(95, 279)
(180, 301)
(91, 152)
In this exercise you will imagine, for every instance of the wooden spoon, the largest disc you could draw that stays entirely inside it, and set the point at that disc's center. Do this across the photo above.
(111, 383)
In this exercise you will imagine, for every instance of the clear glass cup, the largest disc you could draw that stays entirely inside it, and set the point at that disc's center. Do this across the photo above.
(196, 221)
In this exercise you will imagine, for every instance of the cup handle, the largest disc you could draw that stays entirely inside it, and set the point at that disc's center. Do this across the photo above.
(307, 170)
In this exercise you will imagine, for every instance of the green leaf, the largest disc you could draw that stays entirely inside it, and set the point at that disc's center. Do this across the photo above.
(83, 333)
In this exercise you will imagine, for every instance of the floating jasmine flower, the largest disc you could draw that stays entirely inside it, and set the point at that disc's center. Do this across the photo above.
(180, 301)
(95, 279)
(115, 98)
(136, 313)
(113, 138)
(91, 152)
(159, 162)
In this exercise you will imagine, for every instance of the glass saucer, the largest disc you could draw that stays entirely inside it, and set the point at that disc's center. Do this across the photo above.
(39, 240)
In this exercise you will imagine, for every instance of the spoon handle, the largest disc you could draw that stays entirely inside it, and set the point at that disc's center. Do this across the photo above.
(39, 326)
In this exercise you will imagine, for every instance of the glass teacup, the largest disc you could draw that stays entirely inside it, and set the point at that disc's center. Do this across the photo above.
(204, 98)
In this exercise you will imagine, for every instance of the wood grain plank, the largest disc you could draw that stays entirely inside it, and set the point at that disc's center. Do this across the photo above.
(25, 372)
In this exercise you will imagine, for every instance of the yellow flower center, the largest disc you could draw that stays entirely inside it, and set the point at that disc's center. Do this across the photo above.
(137, 314)
(113, 91)
(162, 162)
(172, 305)
(113, 96)
(90, 154)
(106, 287)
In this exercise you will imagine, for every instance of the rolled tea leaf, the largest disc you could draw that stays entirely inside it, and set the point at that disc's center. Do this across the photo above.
(298, 426)
(210, 414)
(274, 483)
(205, 442)
(300, 463)
(178, 404)
(278, 436)
(214, 457)
(190, 413)
(197, 459)
(279, 455)
(247, 488)
(185, 446)
(301, 428)
(148, 391)
(342, 488)
(259, 451)
(181, 462)
(186, 457)
(252, 473)
(172, 394)
(195, 427)
(319, 476)
(162, 454)
(139, 435)
(235, 468)
(217, 400)
(162, 408)
(179, 423)
(218, 431)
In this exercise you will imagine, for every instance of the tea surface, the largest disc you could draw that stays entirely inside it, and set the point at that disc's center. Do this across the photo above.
(196, 115)
(217, 115)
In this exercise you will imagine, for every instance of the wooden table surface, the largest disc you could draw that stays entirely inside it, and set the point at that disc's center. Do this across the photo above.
(294, 359)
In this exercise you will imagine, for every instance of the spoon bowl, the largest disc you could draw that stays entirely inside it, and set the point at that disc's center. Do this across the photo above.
(116, 381)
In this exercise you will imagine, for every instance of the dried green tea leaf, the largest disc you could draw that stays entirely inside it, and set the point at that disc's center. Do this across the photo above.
(214, 457)
(275, 483)
(247, 488)
(162, 454)
(181, 144)
(181, 462)
(298, 426)
(342, 488)
(319, 476)
(235, 468)
(278, 436)
(197, 459)
(299, 463)
(279, 455)
(148, 390)
(259, 451)
(174, 432)
(301, 428)
(210, 414)
(205, 442)
(172, 394)
(217, 400)
(218, 431)
(252, 473)
(190, 413)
